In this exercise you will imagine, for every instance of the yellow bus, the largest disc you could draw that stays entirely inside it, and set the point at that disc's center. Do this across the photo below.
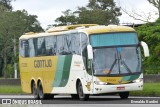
(81, 60)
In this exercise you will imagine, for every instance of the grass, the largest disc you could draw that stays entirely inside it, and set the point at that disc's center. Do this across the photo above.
(149, 89)
(8, 89)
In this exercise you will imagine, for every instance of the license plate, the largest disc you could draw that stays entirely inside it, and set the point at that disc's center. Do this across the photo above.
(120, 88)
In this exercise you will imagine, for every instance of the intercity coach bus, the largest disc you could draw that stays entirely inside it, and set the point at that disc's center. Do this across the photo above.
(81, 60)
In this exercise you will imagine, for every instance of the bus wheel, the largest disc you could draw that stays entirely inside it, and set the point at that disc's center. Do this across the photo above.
(40, 91)
(124, 95)
(41, 94)
(34, 91)
(82, 96)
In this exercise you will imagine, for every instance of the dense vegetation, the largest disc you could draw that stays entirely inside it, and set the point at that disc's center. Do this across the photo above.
(101, 12)
(12, 25)
(150, 33)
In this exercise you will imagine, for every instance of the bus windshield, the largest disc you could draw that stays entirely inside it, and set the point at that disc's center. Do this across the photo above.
(116, 54)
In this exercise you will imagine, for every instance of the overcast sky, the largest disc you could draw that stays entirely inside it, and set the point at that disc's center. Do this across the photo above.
(48, 10)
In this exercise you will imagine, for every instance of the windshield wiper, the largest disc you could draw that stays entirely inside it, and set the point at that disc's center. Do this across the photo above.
(126, 67)
(119, 58)
(113, 64)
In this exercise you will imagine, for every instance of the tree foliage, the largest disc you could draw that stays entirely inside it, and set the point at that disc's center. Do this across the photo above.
(150, 33)
(102, 12)
(67, 18)
(12, 25)
(6, 4)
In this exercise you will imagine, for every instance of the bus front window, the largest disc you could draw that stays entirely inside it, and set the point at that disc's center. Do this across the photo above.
(116, 54)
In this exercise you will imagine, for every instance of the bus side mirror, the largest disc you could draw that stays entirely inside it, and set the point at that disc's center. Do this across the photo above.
(90, 52)
(145, 49)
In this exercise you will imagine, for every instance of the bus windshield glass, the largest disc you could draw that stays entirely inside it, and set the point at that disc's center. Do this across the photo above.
(116, 54)
(113, 39)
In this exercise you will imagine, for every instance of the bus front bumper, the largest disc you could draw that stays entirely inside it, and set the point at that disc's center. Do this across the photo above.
(100, 89)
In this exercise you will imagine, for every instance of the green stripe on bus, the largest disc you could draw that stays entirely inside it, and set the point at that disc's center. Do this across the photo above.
(66, 70)
(126, 78)
(59, 71)
(130, 78)
(133, 77)
(62, 71)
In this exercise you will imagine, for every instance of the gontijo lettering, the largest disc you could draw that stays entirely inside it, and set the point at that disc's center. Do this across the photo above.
(42, 63)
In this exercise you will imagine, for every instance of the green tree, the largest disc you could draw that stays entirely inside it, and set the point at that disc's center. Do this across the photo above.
(150, 33)
(67, 18)
(96, 16)
(102, 12)
(12, 25)
(6, 4)
(108, 8)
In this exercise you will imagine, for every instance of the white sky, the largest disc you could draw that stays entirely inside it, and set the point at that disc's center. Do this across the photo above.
(142, 7)
(48, 10)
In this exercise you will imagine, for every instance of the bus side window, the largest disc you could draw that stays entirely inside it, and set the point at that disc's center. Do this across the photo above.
(84, 42)
(50, 44)
(21, 48)
(41, 47)
(31, 48)
(26, 48)
(35, 46)
(67, 44)
(75, 44)
(60, 44)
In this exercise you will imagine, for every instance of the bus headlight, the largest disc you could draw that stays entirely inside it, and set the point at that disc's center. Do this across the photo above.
(138, 80)
(100, 83)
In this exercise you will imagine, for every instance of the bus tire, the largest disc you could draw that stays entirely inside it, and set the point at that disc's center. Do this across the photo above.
(34, 91)
(82, 96)
(42, 95)
(124, 95)
(40, 91)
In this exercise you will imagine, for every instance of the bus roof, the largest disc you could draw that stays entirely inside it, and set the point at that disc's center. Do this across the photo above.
(107, 29)
(86, 28)
(69, 27)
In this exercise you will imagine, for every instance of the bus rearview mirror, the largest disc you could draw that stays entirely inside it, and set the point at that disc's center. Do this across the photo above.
(90, 52)
(145, 49)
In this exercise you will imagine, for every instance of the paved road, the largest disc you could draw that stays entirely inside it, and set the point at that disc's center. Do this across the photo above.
(103, 100)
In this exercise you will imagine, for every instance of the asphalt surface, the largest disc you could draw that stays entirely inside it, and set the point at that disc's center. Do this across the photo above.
(93, 101)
